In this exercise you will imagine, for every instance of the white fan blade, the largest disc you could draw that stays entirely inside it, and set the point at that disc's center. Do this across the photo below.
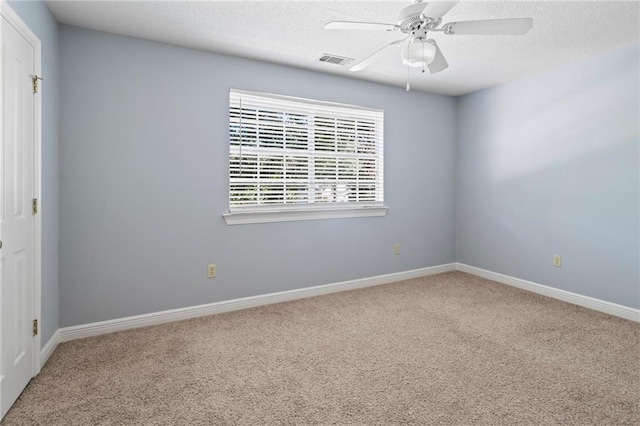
(490, 27)
(372, 58)
(350, 25)
(439, 62)
(437, 9)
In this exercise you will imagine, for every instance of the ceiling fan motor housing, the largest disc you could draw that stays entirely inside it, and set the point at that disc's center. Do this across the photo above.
(410, 15)
(411, 18)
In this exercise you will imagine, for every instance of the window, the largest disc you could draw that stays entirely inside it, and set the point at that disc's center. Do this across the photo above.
(297, 159)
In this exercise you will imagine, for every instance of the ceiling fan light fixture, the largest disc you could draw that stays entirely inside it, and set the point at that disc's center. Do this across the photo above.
(418, 54)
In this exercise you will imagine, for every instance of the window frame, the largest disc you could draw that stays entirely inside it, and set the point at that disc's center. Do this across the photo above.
(281, 212)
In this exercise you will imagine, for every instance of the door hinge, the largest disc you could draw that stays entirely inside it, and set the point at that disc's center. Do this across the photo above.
(34, 206)
(35, 327)
(35, 79)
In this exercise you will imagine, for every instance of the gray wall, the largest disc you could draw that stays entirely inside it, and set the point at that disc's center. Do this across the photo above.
(37, 16)
(549, 164)
(144, 182)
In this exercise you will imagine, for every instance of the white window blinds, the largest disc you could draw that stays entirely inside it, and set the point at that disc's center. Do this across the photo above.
(291, 153)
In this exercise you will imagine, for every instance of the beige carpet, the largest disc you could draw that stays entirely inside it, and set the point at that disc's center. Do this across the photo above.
(449, 349)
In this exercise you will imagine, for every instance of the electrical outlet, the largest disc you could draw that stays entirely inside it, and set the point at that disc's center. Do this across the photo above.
(557, 260)
(211, 270)
(396, 249)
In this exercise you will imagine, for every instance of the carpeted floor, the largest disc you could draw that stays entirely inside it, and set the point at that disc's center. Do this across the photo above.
(449, 349)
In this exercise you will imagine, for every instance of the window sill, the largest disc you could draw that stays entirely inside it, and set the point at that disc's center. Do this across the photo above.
(243, 218)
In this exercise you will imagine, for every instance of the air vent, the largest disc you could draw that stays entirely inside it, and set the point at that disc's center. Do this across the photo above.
(333, 59)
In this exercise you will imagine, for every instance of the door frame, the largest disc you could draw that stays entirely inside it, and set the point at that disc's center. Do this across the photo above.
(23, 29)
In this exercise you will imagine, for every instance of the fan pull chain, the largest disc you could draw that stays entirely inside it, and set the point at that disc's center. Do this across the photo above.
(423, 56)
(408, 84)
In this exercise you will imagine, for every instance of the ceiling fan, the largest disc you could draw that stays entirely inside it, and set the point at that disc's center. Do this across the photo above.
(420, 18)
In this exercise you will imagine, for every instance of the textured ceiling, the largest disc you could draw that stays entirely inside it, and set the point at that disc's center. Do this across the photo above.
(292, 33)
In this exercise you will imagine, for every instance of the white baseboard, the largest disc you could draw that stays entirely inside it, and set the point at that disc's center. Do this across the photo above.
(48, 349)
(566, 296)
(110, 326)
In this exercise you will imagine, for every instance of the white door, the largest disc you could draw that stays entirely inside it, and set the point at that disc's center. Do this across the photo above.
(17, 132)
